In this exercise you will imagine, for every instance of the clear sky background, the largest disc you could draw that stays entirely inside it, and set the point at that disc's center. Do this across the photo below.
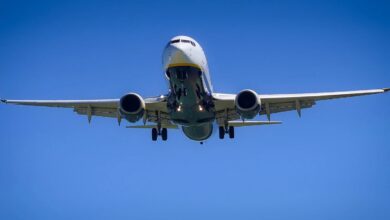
(333, 163)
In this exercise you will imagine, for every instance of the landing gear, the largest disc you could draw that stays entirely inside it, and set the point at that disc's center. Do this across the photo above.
(163, 133)
(231, 132)
(181, 92)
(223, 131)
(154, 134)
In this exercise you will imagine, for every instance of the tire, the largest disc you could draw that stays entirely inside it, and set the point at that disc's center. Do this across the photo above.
(164, 134)
(221, 132)
(231, 132)
(154, 134)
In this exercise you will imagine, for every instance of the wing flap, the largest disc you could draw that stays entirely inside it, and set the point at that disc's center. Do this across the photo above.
(286, 106)
(97, 111)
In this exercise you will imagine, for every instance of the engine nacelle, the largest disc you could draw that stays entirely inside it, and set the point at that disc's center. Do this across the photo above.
(247, 104)
(132, 107)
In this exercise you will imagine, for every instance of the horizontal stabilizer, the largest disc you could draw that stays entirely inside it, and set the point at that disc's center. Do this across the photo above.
(252, 123)
(153, 126)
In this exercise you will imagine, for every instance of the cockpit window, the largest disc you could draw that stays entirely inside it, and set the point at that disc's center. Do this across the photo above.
(183, 41)
(188, 41)
(175, 41)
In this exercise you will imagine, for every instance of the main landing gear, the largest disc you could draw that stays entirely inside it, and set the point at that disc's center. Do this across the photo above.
(226, 130)
(163, 133)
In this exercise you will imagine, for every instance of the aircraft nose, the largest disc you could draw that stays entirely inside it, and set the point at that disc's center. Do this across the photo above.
(179, 54)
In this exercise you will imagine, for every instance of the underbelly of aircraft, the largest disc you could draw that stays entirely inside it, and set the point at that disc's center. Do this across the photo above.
(198, 133)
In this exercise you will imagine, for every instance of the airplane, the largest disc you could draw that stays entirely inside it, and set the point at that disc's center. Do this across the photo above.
(191, 103)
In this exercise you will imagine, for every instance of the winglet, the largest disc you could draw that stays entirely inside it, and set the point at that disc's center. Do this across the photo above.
(3, 101)
(386, 89)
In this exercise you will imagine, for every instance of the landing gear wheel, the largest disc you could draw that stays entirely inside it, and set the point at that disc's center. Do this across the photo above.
(231, 132)
(221, 132)
(164, 134)
(154, 134)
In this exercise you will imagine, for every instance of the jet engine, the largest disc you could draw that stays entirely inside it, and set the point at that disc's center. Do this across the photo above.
(132, 107)
(247, 104)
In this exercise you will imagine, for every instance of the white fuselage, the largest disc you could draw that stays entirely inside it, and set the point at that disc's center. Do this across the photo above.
(190, 90)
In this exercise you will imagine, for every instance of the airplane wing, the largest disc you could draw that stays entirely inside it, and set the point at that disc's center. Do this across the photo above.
(274, 103)
(101, 107)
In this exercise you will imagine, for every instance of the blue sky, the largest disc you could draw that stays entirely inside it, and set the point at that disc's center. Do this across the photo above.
(333, 163)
